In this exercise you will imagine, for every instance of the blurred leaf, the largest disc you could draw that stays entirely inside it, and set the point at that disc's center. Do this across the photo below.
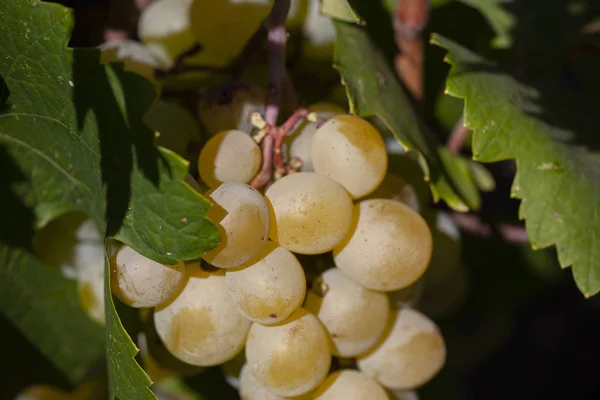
(373, 90)
(499, 18)
(72, 139)
(45, 307)
(549, 128)
(340, 9)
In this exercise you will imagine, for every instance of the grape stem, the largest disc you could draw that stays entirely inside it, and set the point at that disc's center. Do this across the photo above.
(276, 38)
(410, 19)
(508, 233)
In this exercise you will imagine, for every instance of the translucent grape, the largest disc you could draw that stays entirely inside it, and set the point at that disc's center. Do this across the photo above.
(311, 213)
(388, 248)
(355, 317)
(165, 28)
(404, 395)
(271, 288)
(178, 130)
(348, 384)
(73, 243)
(223, 27)
(230, 108)
(229, 156)
(251, 389)
(411, 353)
(291, 358)
(141, 282)
(350, 151)
(202, 326)
(242, 217)
(317, 29)
(300, 141)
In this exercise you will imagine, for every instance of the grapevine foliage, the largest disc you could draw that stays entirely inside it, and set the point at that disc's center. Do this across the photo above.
(373, 90)
(72, 139)
(557, 155)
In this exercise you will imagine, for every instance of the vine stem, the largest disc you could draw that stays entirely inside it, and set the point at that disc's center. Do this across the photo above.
(508, 233)
(410, 19)
(276, 38)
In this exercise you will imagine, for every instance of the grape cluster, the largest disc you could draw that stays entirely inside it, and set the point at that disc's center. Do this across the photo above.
(251, 296)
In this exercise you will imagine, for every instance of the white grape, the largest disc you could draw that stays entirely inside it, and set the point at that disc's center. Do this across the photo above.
(300, 141)
(311, 213)
(271, 288)
(251, 389)
(317, 29)
(202, 326)
(223, 27)
(177, 128)
(410, 354)
(165, 28)
(73, 243)
(291, 358)
(405, 395)
(355, 317)
(389, 247)
(229, 156)
(242, 217)
(141, 282)
(232, 108)
(348, 384)
(134, 55)
(350, 151)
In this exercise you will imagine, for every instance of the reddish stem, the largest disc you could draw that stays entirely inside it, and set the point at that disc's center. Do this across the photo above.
(410, 18)
(506, 232)
(276, 38)
(280, 134)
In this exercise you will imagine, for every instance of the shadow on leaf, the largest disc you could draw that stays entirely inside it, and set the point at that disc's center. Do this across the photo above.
(110, 99)
(18, 220)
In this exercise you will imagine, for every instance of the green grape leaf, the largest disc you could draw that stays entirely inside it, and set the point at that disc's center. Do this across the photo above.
(374, 90)
(549, 128)
(501, 20)
(45, 307)
(340, 9)
(126, 380)
(72, 138)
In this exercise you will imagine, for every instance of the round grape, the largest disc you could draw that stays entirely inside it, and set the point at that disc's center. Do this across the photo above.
(310, 212)
(291, 358)
(165, 28)
(141, 282)
(388, 248)
(229, 156)
(410, 354)
(242, 217)
(355, 317)
(231, 108)
(202, 326)
(348, 384)
(177, 128)
(251, 389)
(300, 141)
(271, 288)
(350, 151)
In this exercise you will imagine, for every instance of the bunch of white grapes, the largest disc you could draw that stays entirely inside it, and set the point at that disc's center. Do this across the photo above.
(248, 296)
